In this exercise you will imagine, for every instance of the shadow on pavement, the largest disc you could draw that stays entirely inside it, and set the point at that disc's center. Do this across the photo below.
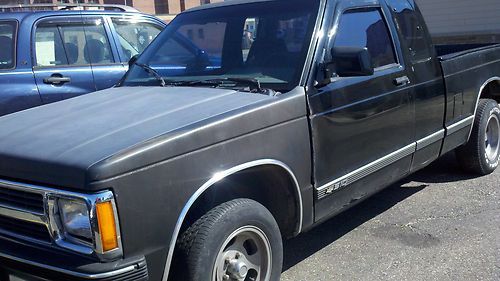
(299, 248)
(444, 170)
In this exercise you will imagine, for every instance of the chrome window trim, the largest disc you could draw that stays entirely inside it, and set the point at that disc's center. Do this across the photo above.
(431, 139)
(70, 272)
(364, 171)
(481, 89)
(216, 177)
(459, 125)
(58, 237)
(317, 35)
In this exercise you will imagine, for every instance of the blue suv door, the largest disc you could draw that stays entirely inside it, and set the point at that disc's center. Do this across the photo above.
(62, 59)
(17, 84)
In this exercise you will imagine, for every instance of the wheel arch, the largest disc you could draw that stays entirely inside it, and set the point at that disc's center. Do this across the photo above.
(489, 89)
(265, 169)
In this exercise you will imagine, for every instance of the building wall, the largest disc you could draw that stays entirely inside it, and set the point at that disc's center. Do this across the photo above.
(466, 20)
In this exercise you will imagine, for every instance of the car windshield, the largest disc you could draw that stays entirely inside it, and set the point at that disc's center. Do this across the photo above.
(7, 40)
(263, 42)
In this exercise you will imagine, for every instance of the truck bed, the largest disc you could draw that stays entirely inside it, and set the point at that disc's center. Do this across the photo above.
(466, 69)
(449, 51)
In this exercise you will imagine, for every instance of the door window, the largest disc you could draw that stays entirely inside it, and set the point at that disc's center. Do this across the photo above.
(98, 49)
(7, 43)
(72, 44)
(134, 36)
(249, 36)
(367, 28)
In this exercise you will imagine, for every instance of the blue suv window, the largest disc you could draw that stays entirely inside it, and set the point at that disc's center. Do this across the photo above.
(72, 44)
(134, 35)
(7, 43)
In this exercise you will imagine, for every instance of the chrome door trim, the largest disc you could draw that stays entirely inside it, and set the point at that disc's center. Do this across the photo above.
(457, 126)
(213, 180)
(431, 139)
(364, 171)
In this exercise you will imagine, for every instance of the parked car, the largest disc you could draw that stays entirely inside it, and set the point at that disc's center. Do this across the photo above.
(197, 173)
(51, 55)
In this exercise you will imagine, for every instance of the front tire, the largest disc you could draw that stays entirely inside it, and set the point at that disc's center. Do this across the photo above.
(237, 240)
(481, 154)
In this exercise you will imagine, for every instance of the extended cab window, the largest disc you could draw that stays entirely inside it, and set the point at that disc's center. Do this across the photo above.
(413, 30)
(7, 44)
(134, 36)
(367, 28)
(71, 44)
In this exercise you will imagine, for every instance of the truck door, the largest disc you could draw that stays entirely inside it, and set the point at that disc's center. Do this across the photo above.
(362, 127)
(61, 60)
(426, 75)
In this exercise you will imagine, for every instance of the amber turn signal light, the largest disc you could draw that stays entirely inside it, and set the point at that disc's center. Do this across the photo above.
(107, 226)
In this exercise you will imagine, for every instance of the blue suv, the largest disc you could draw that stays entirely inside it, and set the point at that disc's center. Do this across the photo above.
(48, 55)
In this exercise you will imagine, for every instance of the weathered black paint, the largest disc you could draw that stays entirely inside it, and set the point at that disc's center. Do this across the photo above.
(155, 147)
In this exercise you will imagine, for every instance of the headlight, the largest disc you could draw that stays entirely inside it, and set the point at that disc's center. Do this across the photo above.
(75, 218)
(87, 224)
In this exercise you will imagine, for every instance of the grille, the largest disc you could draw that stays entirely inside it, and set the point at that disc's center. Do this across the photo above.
(18, 227)
(26, 201)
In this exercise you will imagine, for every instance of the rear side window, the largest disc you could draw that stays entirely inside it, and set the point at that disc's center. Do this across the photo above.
(367, 28)
(72, 44)
(7, 44)
(413, 30)
(134, 36)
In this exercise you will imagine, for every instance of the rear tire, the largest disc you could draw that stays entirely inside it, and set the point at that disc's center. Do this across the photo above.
(481, 154)
(237, 240)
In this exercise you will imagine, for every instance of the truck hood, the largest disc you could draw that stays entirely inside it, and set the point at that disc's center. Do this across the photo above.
(100, 135)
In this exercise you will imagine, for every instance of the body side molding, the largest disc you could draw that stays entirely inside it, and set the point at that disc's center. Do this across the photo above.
(457, 126)
(425, 142)
(364, 171)
(378, 164)
(213, 180)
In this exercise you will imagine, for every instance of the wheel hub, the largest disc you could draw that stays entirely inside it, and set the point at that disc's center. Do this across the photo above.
(492, 138)
(237, 269)
(244, 256)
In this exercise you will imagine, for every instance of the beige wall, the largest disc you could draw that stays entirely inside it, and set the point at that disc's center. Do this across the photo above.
(459, 17)
(145, 6)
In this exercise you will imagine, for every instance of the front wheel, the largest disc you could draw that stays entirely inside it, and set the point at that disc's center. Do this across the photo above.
(481, 154)
(237, 240)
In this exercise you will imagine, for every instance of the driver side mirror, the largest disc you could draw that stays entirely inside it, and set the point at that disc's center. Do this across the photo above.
(132, 60)
(352, 61)
(346, 62)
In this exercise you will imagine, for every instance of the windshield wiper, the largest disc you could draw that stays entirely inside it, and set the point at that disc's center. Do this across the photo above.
(153, 72)
(253, 84)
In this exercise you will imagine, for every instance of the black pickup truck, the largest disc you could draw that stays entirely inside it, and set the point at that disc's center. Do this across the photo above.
(197, 164)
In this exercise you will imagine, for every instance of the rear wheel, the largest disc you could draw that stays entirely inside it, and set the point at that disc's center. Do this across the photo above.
(481, 154)
(238, 240)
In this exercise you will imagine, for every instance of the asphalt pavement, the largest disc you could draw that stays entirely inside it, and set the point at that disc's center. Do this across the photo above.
(439, 224)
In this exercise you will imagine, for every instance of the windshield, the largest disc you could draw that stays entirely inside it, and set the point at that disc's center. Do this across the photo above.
(265, 42)
(7, 40)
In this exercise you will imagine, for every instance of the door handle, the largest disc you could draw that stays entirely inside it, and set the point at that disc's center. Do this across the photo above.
(56, 79)
(402, 81)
